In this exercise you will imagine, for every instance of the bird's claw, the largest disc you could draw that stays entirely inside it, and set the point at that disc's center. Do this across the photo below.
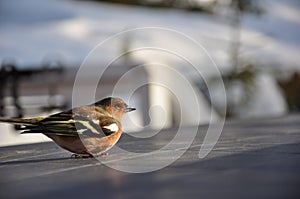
(78, 156)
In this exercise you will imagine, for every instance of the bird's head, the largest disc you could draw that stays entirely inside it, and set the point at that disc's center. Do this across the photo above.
(115, 106)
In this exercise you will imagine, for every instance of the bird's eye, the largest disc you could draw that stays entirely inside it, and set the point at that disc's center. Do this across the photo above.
(118, 105)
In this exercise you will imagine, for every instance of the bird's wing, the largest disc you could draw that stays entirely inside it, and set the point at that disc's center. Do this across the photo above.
(83, 121)
(59, 124)
(101, 126)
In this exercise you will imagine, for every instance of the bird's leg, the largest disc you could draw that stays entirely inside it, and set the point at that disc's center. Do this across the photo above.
(78, 156)
(104, 154)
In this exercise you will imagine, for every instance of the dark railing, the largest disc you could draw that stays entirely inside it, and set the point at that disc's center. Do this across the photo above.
(12, 76)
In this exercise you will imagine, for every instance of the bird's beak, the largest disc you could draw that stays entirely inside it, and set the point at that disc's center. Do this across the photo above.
(128, 109)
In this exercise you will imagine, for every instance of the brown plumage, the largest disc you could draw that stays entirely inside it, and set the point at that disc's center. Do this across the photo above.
(86, 131)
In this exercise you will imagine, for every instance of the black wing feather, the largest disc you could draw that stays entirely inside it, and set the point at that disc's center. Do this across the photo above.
(71, 124)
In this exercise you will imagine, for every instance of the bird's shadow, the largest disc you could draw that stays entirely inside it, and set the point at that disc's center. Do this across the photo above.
(29, 161)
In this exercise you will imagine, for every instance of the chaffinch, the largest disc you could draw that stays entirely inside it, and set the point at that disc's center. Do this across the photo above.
(87, 131)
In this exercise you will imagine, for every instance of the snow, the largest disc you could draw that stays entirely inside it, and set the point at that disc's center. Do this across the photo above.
(33, 29)
(10, 137)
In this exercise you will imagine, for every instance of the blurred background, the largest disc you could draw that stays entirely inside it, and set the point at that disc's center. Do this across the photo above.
(255, 45)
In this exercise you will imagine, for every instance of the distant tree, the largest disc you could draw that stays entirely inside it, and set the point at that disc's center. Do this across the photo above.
(238, 8)
(244, 73)
(291, 90)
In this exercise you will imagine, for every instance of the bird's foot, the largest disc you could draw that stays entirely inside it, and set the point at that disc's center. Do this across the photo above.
(80, 156)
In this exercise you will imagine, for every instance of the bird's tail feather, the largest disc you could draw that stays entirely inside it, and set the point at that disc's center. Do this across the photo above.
(20, 121)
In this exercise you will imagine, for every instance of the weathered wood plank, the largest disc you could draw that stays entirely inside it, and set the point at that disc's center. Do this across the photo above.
(252, 159)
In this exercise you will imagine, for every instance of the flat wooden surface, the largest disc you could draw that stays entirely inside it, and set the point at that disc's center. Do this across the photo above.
(257, 158)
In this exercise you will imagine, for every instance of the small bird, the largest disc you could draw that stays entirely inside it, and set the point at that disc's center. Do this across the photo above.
(86, 131)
